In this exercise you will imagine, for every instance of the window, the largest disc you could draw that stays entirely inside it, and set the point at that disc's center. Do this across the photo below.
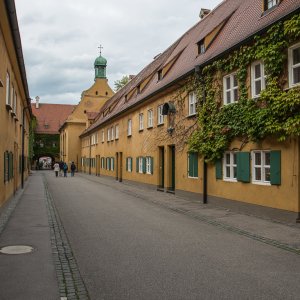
(129, 127)
(15, 104)
(230, 89)
(96, 138)
(103, 136)
(108, 134)
(138, 89)
(159, 75)
(261, 167)
(230, 166)
(150, 118)
(193, 165)
(8, 90)
(294, 65)
(149, 165)
(141, 122)
(102, 163)
(268, 4)
(112, 133)
(141, 160)
(107, 163)
(258, 78)
(192, 103)
(201, 47)
(112, 163)
(160, 117)
(117, 132)
(129, 164)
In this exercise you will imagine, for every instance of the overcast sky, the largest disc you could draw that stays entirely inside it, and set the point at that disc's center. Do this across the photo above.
(60, 39)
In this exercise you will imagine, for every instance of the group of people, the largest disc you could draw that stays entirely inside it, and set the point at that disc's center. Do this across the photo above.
(61, 168)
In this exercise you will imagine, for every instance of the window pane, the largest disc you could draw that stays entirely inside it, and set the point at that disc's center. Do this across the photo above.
(257, 159)
(267, 174)
(257, 173)
(227, 158)
(257, 71)
(296, 75)
(296, 56)
(235, 95)
(267, 158)
(234, 158)
(257, 87)
(228, 97)
(227, 83)
(234, 172)
(228, 172)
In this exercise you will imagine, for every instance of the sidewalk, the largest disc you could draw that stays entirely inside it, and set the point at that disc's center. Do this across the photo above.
(31, 275)
(267, 225)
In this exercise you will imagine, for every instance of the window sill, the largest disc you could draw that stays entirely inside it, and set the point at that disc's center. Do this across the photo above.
(150, 127)
(141, 130)
(193, 177)
(161, 124)
(191, 116)
(230, 180)
(129, 135)
(262, 183)
(8, 107)
(292, 86)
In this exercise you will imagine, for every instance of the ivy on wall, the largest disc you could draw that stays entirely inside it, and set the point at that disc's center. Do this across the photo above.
(46, 145)
(276, 112)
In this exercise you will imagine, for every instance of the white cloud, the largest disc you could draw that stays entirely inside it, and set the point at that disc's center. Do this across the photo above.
(60, 39)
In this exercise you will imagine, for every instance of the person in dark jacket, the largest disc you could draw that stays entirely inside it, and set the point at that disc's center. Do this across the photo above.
(61, 168)
(73, 168)
(65, 169)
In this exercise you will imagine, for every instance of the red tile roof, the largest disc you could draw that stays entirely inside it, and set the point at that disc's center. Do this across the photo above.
(243, 19)
(51, 116)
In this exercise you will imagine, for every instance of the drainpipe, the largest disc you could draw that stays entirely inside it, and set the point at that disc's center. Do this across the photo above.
(298, 175)
(204, 182)
(23, 138)
(90, 172)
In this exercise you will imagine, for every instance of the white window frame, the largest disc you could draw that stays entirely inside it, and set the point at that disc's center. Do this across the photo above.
(148, 165)
(129, 127)
(270, 3)
(141, 121)
(160, 116)
(231, 89)
(141, 165)
(192, 104)
(150, 118)
(129, 164)
(112, 133)
(263, 166)
(7, 98)
(103, 136)
(262, 79)
(102, 162)
(112, 161)
(15, 104)
(291, 66)
(108, 134)
(230, 165)
(117, 132)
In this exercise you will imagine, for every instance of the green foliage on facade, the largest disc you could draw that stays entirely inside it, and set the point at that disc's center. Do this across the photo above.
(275, 113)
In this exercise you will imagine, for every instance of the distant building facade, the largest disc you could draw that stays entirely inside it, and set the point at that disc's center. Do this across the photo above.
(49, 118)
(84, 113)
(15, 110)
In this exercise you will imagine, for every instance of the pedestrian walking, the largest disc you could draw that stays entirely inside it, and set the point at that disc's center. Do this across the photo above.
(61, 168)
(56, 168)
(73, 168)
(65, 169)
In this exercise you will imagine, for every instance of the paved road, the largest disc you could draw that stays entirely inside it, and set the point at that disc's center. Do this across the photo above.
(129, 248)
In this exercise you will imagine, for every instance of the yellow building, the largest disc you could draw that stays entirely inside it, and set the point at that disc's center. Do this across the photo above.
(157, 130)
(91, 101)
(15, 111)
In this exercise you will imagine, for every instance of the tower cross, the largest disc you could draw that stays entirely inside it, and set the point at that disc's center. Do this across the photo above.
(100, 49)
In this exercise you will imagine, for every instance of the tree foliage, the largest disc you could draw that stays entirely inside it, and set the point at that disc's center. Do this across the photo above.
(121, 83)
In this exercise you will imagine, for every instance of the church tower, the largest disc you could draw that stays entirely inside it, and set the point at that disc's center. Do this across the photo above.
(100, 66)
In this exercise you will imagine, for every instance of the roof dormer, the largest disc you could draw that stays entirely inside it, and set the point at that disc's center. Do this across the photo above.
(269, 5)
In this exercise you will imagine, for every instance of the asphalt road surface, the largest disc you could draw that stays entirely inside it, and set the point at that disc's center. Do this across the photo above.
(129, 248)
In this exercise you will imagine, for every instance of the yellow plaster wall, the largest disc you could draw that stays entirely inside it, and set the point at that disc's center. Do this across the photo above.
(10, 126)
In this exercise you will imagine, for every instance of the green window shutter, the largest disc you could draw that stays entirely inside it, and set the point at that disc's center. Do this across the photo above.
(243, 166)
(12, 165)
(4, 166)
(144, 165)
(151, 161)
(275, 162)
(137, 165)
(113, 163)
(218, 165)
(127, 158)
(195, 164)
(9, 166)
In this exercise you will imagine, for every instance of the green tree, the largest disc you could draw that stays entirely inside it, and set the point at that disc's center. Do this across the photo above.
(122, 82)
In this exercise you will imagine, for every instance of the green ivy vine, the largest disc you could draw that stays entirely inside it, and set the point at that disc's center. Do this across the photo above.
(276, 112)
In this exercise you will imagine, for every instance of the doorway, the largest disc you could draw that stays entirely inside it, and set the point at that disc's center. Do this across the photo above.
(172, 168)
(161, 165)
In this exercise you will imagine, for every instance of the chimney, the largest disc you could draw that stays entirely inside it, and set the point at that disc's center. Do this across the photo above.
(203, 13)
(37, 102)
